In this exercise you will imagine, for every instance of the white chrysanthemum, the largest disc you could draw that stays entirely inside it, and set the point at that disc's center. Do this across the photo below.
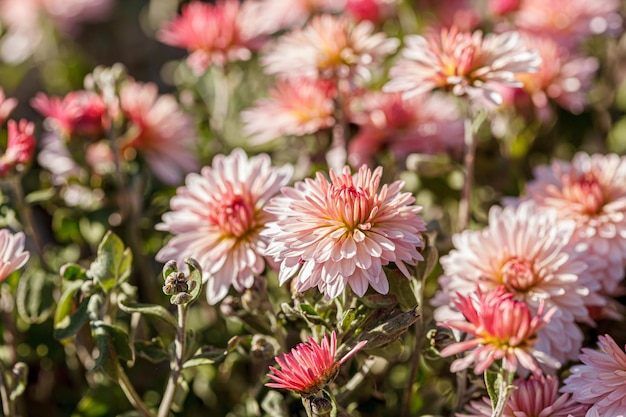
(532, 255)
(217, 216)
(331, 234)
(12, 253)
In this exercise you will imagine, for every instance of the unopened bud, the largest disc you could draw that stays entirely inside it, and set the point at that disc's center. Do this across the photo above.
(181, 298)
(182, 287)
(262, 347)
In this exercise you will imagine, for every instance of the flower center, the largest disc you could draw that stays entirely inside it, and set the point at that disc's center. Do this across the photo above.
(518, 275)
(234, 216)
(587, 192)
(353, 204)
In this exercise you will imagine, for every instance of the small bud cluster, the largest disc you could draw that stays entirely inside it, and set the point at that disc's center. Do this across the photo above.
(182, 288)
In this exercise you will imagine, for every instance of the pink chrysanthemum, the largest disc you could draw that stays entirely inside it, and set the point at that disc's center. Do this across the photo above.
(533, 256)
(569, 22)
(78, 113)
(425, 124)
(215, 34)
(296, 107)
(591, 191)
(310, 366)
(339, 233)
(328, 47)
(561, 77)
(462, 62)
(535, 397)
(600, 381)
(443, 14)
(159, 130)
(20, 146)
(217, 216)
(503, 7)
(12, 253)
(501, 328)
(7, 105)
(373, 10)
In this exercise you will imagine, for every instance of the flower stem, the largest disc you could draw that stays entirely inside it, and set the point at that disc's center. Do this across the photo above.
(179, 349)
(468, 164)
(8, 408)
(132, 395)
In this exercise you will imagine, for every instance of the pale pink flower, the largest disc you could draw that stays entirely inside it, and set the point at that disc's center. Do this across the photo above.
(341, 232)
(600, 381)
(296, 107)
(462, 62)
(569, 22)
(590, 191)
(78, 113)
(7, 105)
(533, 255)
(217, 216)
(159, 130)
(214, 34)
(501, 328)
(274, 15)
(561, 77)
(373, 10)
(55, 157)
(328, 47)
(309, 367)
(533, 397)
(12, 253)
(68, 14)
(428, 123)
(20, 146)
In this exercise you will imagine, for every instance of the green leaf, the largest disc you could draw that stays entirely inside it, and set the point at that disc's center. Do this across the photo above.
(68, 319)
(40, 196)
(431, 256)
(388, 326)
(379, 300)
(493, 380)
(34, 300)
(112, 343)
(207, 356)
(112, 265)
(401, 287)
(152, 351)
(73, 272)
(149, 310)
(347, 319)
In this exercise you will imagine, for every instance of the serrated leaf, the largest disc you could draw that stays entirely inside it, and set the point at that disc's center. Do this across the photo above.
(69, 319)
(149, 310)
(207, 356)
(112, 265)
(73, 272)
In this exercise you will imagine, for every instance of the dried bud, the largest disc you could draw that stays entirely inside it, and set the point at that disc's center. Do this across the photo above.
(230, 306)
(321, 406)
(183, 288)
(181, 298)
(262, 347)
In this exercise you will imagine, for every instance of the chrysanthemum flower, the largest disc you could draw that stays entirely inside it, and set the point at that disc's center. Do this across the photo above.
(501, 328)
(296, 107)
(310, 366)
(20, 146)
(462, 62)
(503, 7)
(78, 113)
(591, 191)
(159, 130)
(7, 105)
(533, 255)
(443, 14)
(569, 22)
(339, 233)
(429, 124)
(12, 253)
(328, 47)
(533, 397)
(217, 216)
(373, 10)
(214, 34)
(600, 381)
(561, 77)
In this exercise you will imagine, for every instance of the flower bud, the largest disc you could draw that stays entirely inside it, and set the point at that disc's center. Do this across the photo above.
(262, 347)
(321, 406)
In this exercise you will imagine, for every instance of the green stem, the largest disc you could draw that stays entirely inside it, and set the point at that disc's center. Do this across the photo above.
(8, 408)
(179, 349)
(468, 163)
(132, 395)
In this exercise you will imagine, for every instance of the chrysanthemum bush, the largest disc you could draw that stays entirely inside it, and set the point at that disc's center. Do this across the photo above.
(365, 208)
